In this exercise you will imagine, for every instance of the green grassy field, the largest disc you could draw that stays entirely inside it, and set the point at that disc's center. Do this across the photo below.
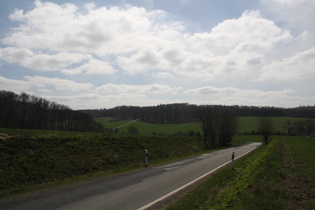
(280, 175)
(150, 128)
(246, 125)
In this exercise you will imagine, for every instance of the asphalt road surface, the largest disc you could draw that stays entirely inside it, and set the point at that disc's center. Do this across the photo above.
(137, 190)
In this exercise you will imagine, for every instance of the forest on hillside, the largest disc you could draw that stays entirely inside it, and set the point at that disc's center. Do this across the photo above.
(184, 112)
(30, 112)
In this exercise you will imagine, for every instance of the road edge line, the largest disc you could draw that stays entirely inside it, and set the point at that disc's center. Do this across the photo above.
(192, 182)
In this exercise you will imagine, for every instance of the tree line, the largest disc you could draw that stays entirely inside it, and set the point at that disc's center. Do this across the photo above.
(160, 114)
(302, 127)
(31, 112)
(184, 112)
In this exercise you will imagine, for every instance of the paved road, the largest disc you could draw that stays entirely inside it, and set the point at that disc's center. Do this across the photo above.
(134, 190)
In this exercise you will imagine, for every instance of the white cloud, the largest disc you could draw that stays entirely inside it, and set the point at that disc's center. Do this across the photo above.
(41, 61)
(294, 72)
(59, 84)
(93, 66)
(80, 101)
(86, 100)
(141, 62)
(295, 15)
(15, 55)
(243, 41)
(236, 96)
(15, 85)
(291, 3)
(252, 59)
(56, 62)
(163, 75)
(142, 40)
(100, 31)
(250, 33)
(209, 90)
(137, 89)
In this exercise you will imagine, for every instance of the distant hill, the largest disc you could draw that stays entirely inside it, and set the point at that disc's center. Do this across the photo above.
(184, 112)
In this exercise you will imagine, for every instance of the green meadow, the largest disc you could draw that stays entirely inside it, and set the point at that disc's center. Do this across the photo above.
(145, 128)
(247, 125)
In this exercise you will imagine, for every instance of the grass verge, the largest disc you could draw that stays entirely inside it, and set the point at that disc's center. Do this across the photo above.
(280, 175)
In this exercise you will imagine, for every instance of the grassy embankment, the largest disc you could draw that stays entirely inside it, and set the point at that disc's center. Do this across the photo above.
(30, 162)
(280, 175)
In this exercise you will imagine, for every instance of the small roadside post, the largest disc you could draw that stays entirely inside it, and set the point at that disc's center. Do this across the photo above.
(116, 161)
(232, 160)
(146, 159)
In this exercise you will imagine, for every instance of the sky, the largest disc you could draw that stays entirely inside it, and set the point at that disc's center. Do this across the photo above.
(107, 53)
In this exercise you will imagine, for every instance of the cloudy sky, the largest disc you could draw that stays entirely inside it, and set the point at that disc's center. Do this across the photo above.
(102, 54)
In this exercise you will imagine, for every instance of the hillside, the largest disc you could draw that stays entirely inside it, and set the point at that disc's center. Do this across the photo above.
(247, 125)
(183, 113)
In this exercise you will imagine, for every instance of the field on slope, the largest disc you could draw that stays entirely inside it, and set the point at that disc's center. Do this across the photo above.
(145, 128)
(247, 125)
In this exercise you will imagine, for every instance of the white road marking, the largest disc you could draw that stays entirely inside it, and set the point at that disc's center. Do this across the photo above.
(190, 183)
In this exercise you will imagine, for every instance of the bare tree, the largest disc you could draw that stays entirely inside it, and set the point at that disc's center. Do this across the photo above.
(218, 123)
(265, 127)
(206, 115)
